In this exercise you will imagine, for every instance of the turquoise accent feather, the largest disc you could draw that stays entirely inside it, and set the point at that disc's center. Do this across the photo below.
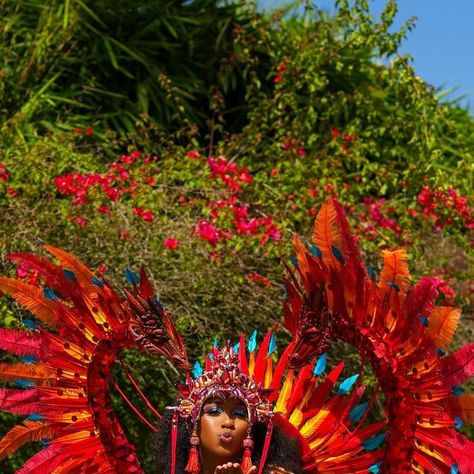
(320, 365)
(347, 384)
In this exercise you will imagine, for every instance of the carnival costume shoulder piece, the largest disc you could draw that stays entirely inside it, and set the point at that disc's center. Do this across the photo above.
(81, 324)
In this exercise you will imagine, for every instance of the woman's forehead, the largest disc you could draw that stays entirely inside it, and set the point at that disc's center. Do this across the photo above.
(221, 400)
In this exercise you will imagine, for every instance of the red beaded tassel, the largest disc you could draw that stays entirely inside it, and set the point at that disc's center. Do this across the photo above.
(193, 466)
(247, 456)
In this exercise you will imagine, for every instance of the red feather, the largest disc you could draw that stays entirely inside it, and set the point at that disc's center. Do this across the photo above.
(260, 360)
(40, 462)
(21, 343)
(18, 401)
(458, 367)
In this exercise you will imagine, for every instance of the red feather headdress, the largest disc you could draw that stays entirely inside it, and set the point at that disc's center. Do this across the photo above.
(81, 325)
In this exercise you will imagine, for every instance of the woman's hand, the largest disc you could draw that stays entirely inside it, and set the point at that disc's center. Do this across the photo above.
(278, 470)
(234, 468)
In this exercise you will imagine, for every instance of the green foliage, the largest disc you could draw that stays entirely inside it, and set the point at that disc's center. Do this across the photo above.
(80, 63)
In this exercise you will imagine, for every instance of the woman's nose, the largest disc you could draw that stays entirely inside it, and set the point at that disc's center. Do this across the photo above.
(228, 421)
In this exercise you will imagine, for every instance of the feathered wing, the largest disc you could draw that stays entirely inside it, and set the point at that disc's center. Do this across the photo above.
(402, 333)
(67, 353)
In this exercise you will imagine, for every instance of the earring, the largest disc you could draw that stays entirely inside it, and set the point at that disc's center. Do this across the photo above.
(193, 466)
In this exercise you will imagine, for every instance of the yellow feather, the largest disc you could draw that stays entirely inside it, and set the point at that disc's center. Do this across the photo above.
(22, 434)
(442, 325)
(432, 453)
(314, 423)
(32, 299)
(285, 393)
(269, 372)
(251, 363)
(296, 417)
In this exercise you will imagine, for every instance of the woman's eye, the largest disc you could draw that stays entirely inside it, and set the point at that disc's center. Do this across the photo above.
(240, 412)
(213, 411)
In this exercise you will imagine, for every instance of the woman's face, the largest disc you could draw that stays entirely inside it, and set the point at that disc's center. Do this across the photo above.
(222, 428)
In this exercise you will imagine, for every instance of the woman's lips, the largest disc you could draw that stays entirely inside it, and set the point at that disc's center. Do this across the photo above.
(226, 438)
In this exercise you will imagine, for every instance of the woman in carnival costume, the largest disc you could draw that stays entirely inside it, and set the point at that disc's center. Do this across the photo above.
(247, 410)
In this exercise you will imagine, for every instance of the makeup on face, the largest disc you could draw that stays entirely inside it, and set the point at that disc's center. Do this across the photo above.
(223, 427)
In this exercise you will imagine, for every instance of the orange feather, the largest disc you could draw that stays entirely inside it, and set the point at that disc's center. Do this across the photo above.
(34, 372)
(394, 272)
(22, 434)
(81, 272)
(32, 299)
(442, 325)
(327, 233)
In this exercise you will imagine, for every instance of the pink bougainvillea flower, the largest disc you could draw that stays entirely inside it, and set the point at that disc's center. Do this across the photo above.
(21, 271)
(247, 226)
(147, 216)
(171, 243)
(301, 151)
(80, 221)
(4, 174)
(259, 279)
(349, 138)
(102, 268)
(193, 155)
(335, 132)
(103, 209)
(150, 181)
(214, 255)
(208, 232)
(447, 291)
(12, 192)
(329, 188)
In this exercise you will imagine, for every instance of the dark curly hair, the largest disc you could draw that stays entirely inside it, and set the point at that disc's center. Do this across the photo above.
(285, 450)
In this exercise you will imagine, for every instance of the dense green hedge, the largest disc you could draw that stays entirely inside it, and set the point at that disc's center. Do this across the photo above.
(312, 106)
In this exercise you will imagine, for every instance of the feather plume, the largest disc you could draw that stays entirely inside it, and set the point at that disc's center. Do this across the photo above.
(260, 360)
(395, 275)
(146, 290)
(33, 372)
(458, 367)
(52, 274)
(22, 434)
(285, 393)
(21, 343)
(17, 400)
(327, 234)
(464, 406)
(40, 462)
(443, 322)
(32, 299)
(69, 262)
(420, 300)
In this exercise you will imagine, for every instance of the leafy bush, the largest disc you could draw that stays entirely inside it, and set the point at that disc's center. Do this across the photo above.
(93, 62)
